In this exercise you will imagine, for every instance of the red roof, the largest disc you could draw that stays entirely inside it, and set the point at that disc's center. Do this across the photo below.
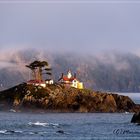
(36, 82)
(65, 78)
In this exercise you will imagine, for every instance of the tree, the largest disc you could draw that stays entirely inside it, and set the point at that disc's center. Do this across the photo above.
(33, 69)
(37, 68)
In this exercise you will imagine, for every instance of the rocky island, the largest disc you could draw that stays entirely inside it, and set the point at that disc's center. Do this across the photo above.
(59, 98)
(68, 94)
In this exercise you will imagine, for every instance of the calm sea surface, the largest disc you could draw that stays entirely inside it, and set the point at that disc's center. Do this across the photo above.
(71, 126)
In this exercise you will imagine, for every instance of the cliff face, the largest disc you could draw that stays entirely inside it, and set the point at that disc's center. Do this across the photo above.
(63, 99)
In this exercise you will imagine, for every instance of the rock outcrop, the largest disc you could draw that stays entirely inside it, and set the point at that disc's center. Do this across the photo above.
(136, 118)
(59, 98)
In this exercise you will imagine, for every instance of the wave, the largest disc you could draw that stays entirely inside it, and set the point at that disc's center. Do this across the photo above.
(10, 131)
(12, 110)
(3, 131)
(43, 124)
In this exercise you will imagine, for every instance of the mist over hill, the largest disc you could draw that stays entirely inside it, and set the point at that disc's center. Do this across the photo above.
(108, 71)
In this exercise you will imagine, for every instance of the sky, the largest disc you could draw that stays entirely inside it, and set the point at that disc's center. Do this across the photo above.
(72, 26)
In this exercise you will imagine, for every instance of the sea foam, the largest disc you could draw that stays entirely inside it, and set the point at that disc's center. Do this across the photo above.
(42, 124)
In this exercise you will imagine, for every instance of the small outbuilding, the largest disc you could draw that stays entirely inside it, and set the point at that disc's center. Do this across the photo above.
(49, 81)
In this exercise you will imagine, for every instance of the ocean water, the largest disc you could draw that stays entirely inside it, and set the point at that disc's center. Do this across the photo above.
(71, 126)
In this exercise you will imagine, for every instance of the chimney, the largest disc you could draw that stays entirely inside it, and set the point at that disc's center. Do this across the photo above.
(62, 75)
(74, 75)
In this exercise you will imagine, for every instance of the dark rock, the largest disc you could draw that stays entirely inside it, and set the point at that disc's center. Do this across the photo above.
(75, 106)
(136, 118)
(60, 131)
